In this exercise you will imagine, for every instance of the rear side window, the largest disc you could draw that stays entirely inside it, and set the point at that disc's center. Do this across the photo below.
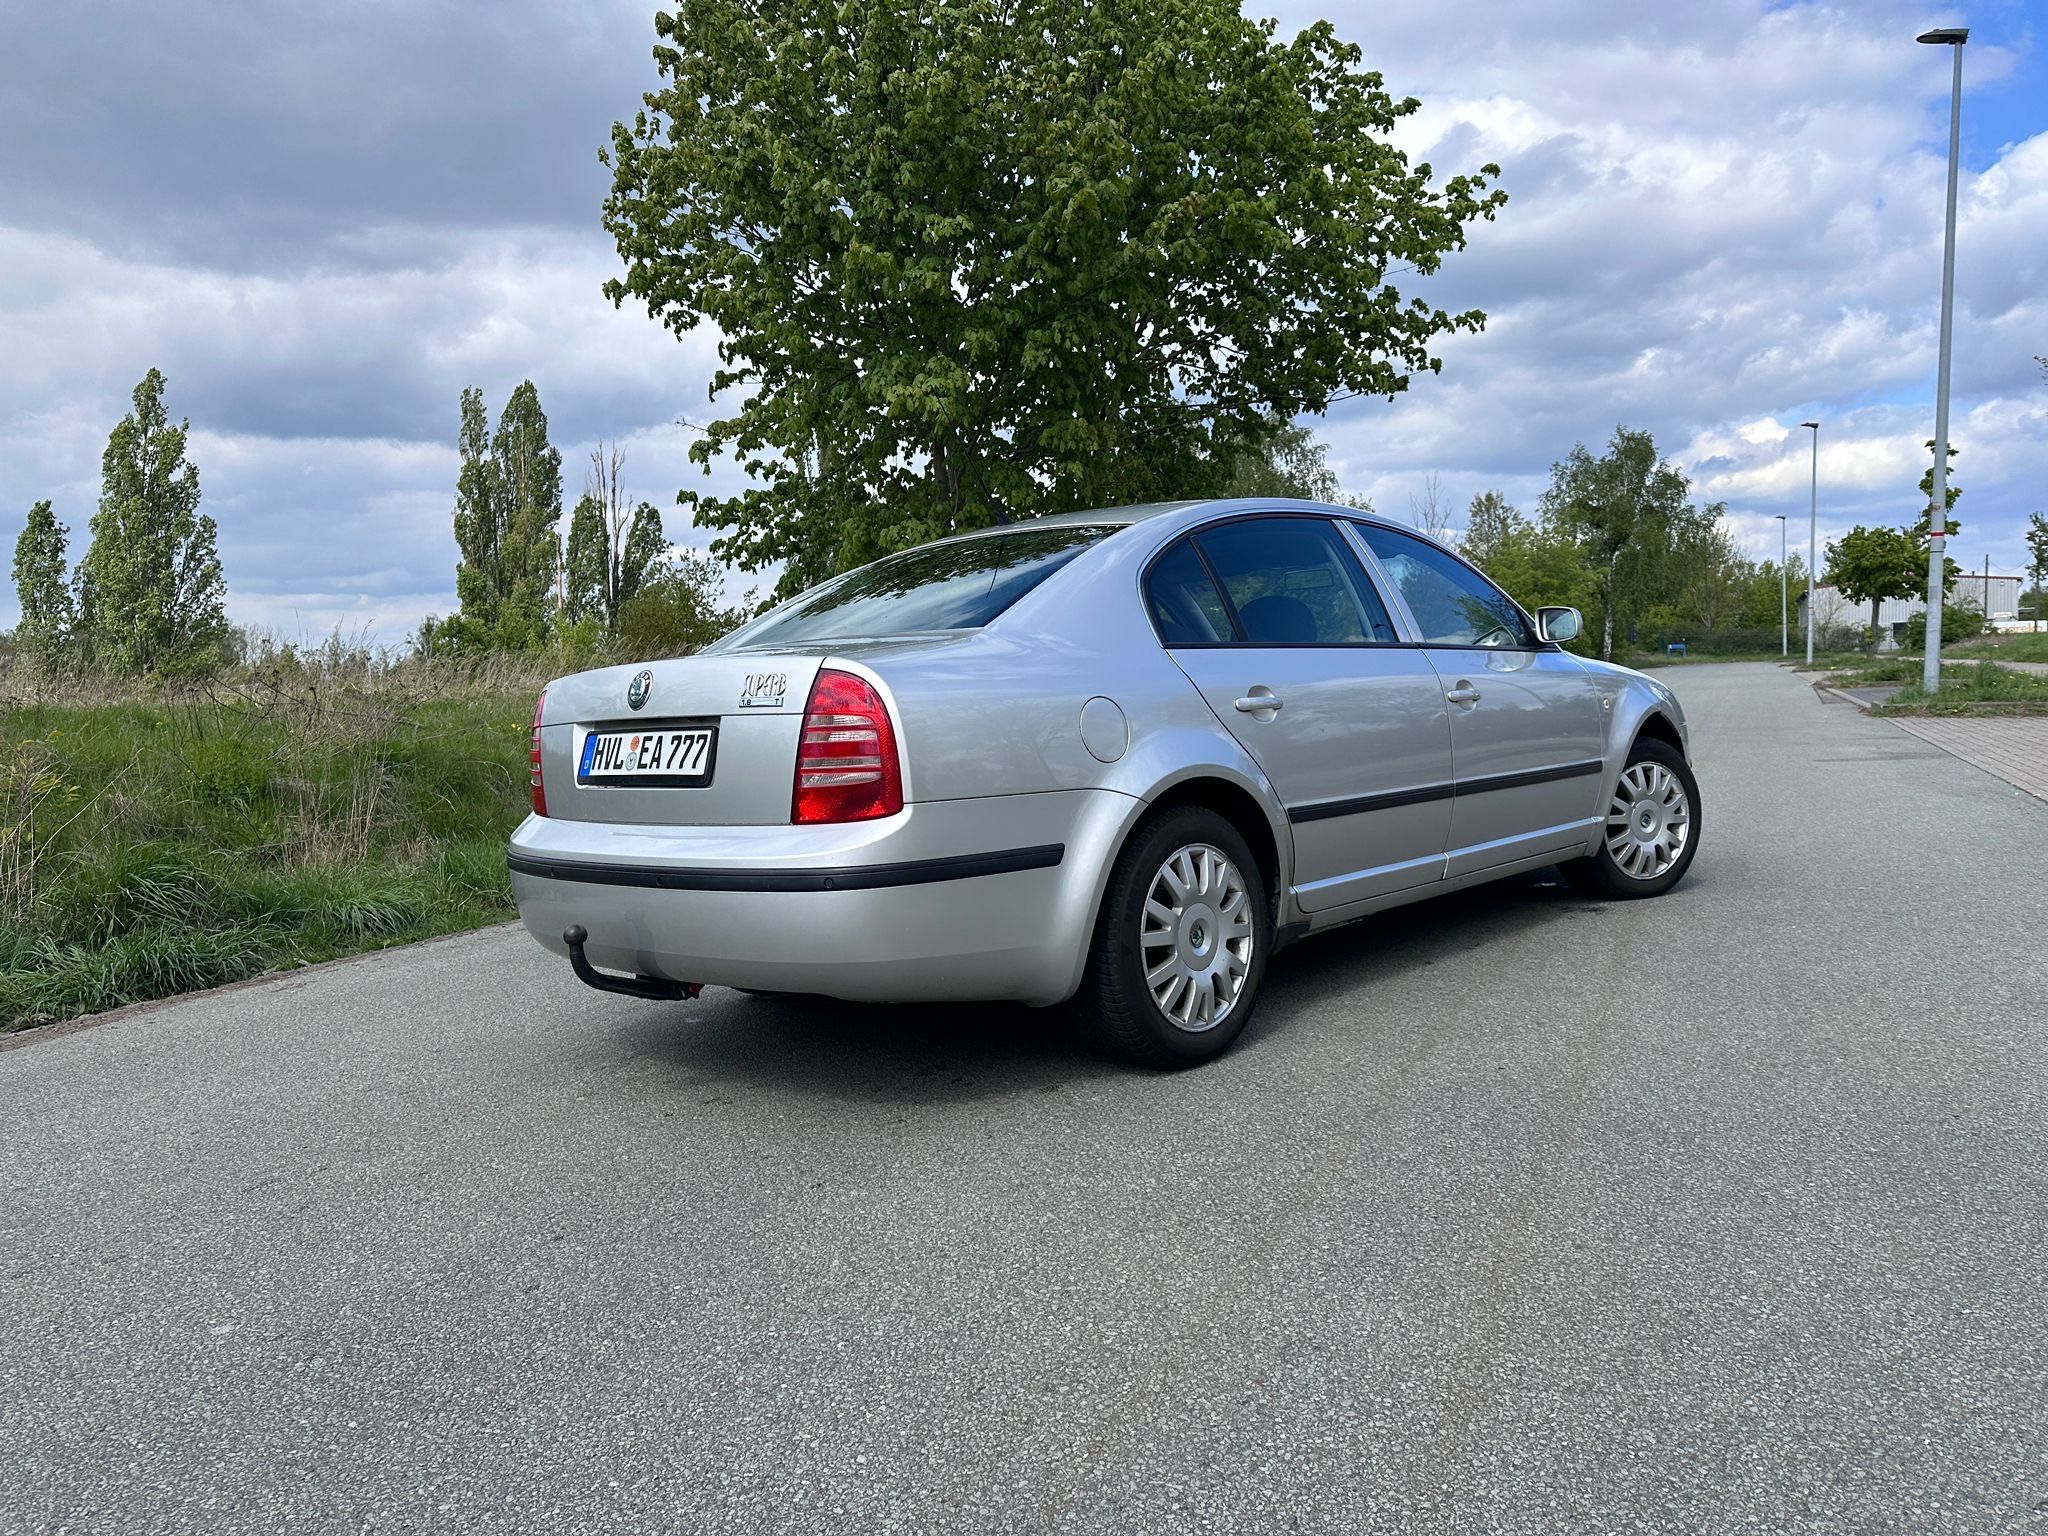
(1452, 603)
(1185, 604)
(960, 584)
(1294, 581)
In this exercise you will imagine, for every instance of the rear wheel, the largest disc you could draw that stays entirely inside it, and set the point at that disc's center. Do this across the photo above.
(1652, 827)
(1181, 944)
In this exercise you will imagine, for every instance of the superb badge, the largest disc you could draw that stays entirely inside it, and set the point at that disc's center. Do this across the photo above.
(640, 687)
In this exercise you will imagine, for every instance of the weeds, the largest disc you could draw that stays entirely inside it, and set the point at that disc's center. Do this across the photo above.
(157, 840)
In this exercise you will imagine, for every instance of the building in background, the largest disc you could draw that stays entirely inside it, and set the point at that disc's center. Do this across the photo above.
(1997, 597)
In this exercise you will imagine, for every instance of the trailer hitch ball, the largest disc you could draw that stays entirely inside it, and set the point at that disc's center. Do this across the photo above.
(657, 988)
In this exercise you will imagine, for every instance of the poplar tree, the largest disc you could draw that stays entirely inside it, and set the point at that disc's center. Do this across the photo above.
(150, 590)
(39, 582)
(508, 503)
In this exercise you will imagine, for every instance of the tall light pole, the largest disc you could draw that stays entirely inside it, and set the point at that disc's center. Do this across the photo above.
(1784, 595)
(1812, 539)
(1937, 505)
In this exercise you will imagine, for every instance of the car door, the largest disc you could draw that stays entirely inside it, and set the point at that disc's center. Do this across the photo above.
(1527, 721)
(1274, 619)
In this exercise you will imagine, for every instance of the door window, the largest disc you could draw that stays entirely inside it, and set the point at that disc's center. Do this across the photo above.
(1186, 607)
(1452, 603)
(1293, 581)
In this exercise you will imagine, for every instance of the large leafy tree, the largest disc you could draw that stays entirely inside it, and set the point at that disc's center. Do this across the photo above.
(972, 260)
(40, 583)
(611, 547)
(1868, 565)
(1622, 508)
(150, 589)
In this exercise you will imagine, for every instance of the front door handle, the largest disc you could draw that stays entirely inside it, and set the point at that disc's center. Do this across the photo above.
(1464, 693)
(1258, 702)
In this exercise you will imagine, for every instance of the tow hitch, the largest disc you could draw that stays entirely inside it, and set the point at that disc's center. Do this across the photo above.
(632, 986)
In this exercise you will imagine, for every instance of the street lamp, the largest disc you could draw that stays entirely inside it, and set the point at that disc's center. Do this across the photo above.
(1784, 595)
(1812, 538)
(1937, 505)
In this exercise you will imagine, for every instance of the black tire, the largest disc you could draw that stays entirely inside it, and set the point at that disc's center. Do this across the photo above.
(1116, 1007)
(1602, 874)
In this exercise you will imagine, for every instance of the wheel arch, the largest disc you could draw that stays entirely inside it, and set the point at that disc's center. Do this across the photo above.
(1660, 727)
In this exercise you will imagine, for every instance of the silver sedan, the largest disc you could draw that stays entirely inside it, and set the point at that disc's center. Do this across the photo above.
(1117, 757)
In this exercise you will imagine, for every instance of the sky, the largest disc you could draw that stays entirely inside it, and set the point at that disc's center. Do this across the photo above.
(322, 224)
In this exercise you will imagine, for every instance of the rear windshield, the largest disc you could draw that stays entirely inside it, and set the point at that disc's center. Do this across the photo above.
(961, 584)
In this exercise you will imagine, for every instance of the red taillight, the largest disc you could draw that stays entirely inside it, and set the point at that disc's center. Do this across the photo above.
(846, 768)
(540, 795)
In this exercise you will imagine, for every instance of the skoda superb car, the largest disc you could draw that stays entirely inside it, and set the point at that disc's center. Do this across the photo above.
(1117, 757)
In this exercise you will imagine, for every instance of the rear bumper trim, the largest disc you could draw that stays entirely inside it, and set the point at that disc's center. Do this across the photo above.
(853, 877)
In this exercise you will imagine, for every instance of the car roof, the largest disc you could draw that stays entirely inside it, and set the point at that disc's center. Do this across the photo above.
(1125, 517)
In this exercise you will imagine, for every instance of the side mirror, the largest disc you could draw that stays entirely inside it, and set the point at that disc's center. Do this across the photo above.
(1559, 624)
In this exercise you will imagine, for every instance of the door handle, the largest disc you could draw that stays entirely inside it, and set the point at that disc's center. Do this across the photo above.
(1258, 702)
(1464, 693)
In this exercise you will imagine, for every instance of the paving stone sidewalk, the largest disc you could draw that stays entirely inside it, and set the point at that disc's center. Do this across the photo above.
(2015, 749)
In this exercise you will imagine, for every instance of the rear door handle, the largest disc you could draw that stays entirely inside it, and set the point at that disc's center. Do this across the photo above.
(1257, 702)
(1464, 693)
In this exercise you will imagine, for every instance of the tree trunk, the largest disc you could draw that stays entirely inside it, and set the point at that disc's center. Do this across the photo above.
(1876, 645)
(1607, 632)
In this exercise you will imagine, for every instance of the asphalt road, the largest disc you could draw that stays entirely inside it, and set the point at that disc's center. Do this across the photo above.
(1725, 1212)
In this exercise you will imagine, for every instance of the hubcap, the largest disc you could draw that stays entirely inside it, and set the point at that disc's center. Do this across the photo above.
(1196, 937)
(1648, 821)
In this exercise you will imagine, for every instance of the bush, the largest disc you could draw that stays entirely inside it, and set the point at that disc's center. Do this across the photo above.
(1959, 621)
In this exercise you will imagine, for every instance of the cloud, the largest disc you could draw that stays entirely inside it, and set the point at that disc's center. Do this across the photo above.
(1724, 219)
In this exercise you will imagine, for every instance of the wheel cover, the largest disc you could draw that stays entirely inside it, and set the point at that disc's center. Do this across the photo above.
(1196, 936)
(1649, 821)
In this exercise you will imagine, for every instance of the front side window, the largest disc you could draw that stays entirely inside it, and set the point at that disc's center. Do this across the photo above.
(1294, 581)
(1452, 603)
(958, 584)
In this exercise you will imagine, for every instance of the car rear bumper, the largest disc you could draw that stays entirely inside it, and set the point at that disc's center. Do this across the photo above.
(962, 899)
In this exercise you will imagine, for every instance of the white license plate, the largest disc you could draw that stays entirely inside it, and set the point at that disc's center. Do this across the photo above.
(656, 756)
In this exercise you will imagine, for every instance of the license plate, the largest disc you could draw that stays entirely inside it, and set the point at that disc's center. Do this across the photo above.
(676, 757)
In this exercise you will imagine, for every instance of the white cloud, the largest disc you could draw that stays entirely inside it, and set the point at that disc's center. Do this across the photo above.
(1724, 219)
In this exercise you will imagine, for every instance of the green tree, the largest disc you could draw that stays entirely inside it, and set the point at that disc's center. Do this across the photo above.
(1868, 565)
(975, 260)
(1761, 606)
(1950, 527)
(1620, 508)
(610, 549)
(40, 582)
(508, 502)
(1285, 460)
(679, 608)
(150, 590)
(2037, 555)
(479, 535)
(1538, 564)
(1712, 574)
(526, 488)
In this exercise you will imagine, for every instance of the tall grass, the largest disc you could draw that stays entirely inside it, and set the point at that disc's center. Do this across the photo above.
(155, 840)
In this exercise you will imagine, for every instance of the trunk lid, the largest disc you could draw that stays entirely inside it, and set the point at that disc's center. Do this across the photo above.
(755, 702)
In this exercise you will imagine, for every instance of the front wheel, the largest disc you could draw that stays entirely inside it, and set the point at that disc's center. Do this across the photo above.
(1651, 830)
(1180, 945)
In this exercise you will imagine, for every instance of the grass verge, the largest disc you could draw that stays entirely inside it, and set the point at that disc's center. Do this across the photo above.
(1986, 688)
(153, 843)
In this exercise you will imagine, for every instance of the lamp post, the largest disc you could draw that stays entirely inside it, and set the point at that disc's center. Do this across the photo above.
(1937, 505)
(1812, 538)
(1784, 595)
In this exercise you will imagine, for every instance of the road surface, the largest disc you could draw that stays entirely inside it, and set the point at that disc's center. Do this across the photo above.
(1725, 1212)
